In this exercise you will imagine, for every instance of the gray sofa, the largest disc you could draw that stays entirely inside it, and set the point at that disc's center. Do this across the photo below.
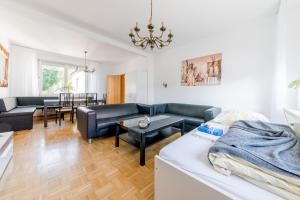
(16, 113)
(14, 117)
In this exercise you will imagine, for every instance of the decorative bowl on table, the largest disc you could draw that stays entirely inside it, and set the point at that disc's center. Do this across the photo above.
(144, 123)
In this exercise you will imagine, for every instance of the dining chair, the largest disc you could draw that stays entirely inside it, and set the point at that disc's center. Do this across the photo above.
(65, 106)
(78, 100)
(103, 100)
(91, 99)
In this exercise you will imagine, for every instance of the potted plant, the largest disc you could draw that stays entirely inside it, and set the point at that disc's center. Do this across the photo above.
(295, 84)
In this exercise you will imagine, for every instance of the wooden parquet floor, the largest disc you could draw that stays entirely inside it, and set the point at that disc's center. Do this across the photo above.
(56, 163)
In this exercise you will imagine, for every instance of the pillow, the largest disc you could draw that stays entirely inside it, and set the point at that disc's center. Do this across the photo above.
(231, 116)
(7, 104)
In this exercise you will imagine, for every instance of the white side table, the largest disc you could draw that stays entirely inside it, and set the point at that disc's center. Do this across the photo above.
(293, 118)
(6, 150)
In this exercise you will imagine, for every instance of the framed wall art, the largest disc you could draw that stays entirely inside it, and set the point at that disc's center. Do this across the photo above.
(204, 70)
(4, 58)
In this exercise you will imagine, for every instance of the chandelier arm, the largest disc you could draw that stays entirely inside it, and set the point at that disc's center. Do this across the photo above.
(158, 46)
(147, 43)
(138, 43)
(139, 39)
(138, 35)
(141, 43)
(162, 34)
(166, 42)
(161, 41)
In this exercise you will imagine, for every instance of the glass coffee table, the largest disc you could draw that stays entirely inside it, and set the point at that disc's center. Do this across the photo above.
(162, 126)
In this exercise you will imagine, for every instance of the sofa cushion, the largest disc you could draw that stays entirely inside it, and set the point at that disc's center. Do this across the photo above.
(105, 123)
(19, 111)
(131, 116)
(117, 110)
(189, 120)
(25, 110)
(7, 104)
(32, 101)
(197, 111)
(193, 121)
(159, 108)
(102, 125)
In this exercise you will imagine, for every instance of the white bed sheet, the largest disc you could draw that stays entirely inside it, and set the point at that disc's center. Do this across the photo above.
(189, 152)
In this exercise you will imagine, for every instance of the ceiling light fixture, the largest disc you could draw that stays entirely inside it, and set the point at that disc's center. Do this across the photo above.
(152, 40)
(86, 69)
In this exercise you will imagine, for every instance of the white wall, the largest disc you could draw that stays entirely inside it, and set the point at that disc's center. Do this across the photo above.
(248, 60)
(99, 79)
(24, 75)
(293, 49)
(4, 91)
(138, 79)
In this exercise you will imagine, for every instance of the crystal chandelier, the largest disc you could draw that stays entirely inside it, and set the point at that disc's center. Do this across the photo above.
(152, 40)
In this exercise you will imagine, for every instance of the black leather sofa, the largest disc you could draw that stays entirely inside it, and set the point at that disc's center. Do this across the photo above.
(96, 121)
(194, 115)
(16, 113)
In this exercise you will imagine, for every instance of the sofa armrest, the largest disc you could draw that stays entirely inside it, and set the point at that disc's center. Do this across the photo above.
(211, 113)
(86, 122)
(159, 109)
(145, 109)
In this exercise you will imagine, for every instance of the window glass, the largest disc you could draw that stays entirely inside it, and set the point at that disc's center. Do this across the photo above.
(52, 79)
(76, 80)
(56, 79)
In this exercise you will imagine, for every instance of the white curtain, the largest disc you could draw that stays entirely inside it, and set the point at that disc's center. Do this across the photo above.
(91, 82)
(279, 78)
(24, 72)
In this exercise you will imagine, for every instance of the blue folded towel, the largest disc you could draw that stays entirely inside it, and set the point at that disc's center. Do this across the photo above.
(212, 131)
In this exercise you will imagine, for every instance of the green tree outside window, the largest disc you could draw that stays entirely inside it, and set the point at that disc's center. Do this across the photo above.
(50, 78)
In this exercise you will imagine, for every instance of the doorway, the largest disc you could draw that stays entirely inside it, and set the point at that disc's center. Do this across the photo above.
(116, 89)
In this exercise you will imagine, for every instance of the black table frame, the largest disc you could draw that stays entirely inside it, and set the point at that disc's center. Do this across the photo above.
(54, 103)
(143, 133)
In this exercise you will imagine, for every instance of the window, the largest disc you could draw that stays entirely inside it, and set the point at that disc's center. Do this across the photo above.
(76, 80)
(56, 78)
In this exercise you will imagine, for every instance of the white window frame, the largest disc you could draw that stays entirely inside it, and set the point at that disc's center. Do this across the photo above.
(66, 66)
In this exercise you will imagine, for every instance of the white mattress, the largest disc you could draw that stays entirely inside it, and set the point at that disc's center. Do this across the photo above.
(189, 152)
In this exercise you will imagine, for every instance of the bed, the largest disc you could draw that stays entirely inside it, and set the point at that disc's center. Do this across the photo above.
(182, 171)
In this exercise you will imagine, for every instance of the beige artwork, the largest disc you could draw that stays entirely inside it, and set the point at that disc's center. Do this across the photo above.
(205, 70)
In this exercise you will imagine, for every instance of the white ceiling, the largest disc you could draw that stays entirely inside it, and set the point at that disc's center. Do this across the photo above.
(188, 19)
(42, 33)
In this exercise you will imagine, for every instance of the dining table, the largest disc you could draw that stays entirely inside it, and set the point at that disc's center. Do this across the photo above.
(54, 103)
